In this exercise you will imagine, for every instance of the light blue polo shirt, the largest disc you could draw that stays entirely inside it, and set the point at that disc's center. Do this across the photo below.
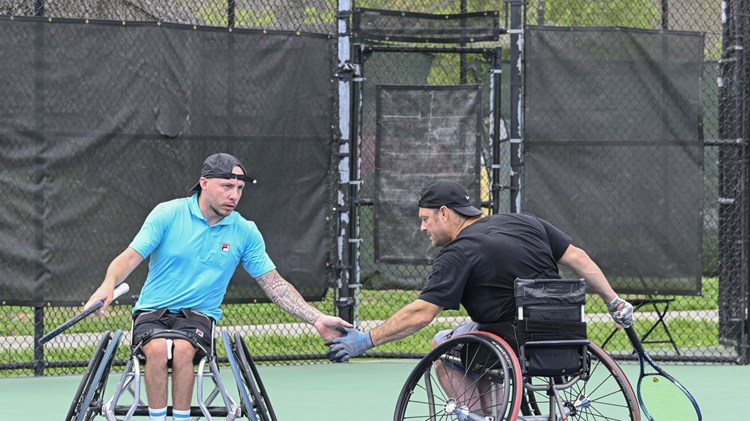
(191, 262)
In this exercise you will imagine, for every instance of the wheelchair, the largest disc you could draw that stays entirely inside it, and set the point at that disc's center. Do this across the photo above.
(555, 374)
(253, 404)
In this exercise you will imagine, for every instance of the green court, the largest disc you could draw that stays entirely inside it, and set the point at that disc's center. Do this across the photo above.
(363, 390)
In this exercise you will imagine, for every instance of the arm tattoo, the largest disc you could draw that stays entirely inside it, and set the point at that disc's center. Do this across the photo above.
(287, 297)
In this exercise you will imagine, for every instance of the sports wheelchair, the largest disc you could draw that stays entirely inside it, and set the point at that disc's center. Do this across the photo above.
(254, 403)
(555, 374)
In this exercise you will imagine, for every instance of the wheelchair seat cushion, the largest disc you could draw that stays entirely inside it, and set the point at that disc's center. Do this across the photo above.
(505, 330)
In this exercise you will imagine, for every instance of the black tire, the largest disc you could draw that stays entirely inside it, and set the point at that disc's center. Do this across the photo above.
(245, 399)
(606, 394)
(85, 383)
(493, 381)
(91, 401)
(253, 382)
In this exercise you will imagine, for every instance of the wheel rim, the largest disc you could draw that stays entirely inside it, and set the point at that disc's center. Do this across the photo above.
(604, 395)
(441, 387)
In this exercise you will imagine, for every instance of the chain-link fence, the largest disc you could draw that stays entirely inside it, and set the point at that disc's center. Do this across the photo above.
(706, 320)
(111, 110)
(680, 182)
(701, 182)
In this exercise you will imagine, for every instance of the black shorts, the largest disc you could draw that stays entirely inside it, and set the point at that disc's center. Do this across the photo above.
(193, 324)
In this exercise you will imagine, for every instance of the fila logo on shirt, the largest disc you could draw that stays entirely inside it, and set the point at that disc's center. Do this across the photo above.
(225, 247)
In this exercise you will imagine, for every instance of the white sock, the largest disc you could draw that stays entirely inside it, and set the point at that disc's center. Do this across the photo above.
(158, 414)
(180, 415)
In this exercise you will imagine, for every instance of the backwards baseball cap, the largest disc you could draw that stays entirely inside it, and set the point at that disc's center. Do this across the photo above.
(447, 193)
(220, 166)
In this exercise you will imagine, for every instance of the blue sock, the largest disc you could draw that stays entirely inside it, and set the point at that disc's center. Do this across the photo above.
(158, 414)
(180, 415)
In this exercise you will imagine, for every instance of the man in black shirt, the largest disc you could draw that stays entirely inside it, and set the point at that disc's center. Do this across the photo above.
(477, 266)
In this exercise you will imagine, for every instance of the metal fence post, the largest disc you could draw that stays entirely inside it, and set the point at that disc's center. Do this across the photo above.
(743, 90)
(516, 102)
(733, 194)
(231, 7)
(347, 246)
(38, 347)
(496, 116)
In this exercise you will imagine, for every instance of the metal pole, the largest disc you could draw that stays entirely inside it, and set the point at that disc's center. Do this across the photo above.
(39, 8)
(733, 179)
(462, 56)
(39, 196)
(355, 184)
(496, 114)
(231, 7)
(344, 206)
(38, 348)
(516, 103)
(741, 74)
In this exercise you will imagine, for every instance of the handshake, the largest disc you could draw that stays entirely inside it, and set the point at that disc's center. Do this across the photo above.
(354, 342)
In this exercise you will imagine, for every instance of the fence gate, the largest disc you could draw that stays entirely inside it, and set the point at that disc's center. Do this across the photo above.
(420, 113)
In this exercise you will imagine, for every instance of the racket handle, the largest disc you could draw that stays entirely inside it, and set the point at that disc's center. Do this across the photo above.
(119, 291)
(634, 339)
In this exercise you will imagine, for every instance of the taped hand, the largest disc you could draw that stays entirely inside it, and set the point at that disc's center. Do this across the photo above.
(621, 312)
(353, 343)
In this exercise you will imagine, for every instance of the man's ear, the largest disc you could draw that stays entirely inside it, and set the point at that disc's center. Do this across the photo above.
(444, 212)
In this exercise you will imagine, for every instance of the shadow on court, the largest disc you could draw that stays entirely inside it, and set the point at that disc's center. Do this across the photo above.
(364, 390)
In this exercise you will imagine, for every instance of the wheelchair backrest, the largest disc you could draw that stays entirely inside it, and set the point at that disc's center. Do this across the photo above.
(550, 299)
(551, 326)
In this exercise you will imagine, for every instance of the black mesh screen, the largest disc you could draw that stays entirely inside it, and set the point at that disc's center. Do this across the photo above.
(422, 133)
(396, 25)
(614, 149)
(106, 120)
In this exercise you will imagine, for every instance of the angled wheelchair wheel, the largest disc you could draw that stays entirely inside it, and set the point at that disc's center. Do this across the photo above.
(89, 396)
(253, 404)
(605, 394)
(252, 381)
(475, 376)
(85, 383)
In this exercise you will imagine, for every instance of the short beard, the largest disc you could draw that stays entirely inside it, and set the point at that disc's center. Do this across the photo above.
(217, 211)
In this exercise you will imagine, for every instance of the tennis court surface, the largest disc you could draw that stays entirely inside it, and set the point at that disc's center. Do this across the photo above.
(364, 390)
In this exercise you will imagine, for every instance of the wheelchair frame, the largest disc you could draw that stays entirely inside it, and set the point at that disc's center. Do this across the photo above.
(254, 403)
(477, 376)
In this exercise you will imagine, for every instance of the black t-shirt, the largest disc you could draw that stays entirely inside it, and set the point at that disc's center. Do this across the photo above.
(479, 267)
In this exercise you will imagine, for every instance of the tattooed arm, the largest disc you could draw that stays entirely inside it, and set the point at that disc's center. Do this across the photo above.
(289, 299)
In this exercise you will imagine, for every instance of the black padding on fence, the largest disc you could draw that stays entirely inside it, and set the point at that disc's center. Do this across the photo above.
(396, 25)
(102, 121)
(613, 149)
(422, 133)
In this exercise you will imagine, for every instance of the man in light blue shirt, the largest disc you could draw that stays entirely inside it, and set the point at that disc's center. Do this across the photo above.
(195, 245)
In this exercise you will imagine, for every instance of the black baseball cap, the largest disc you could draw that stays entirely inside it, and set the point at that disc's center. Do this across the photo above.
(447, 193)
(220, 166)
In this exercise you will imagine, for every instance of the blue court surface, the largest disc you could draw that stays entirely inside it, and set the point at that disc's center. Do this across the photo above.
(363, 390)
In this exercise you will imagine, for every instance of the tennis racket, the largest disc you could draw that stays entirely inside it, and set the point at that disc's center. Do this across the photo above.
(119, 291)
(661, 396)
